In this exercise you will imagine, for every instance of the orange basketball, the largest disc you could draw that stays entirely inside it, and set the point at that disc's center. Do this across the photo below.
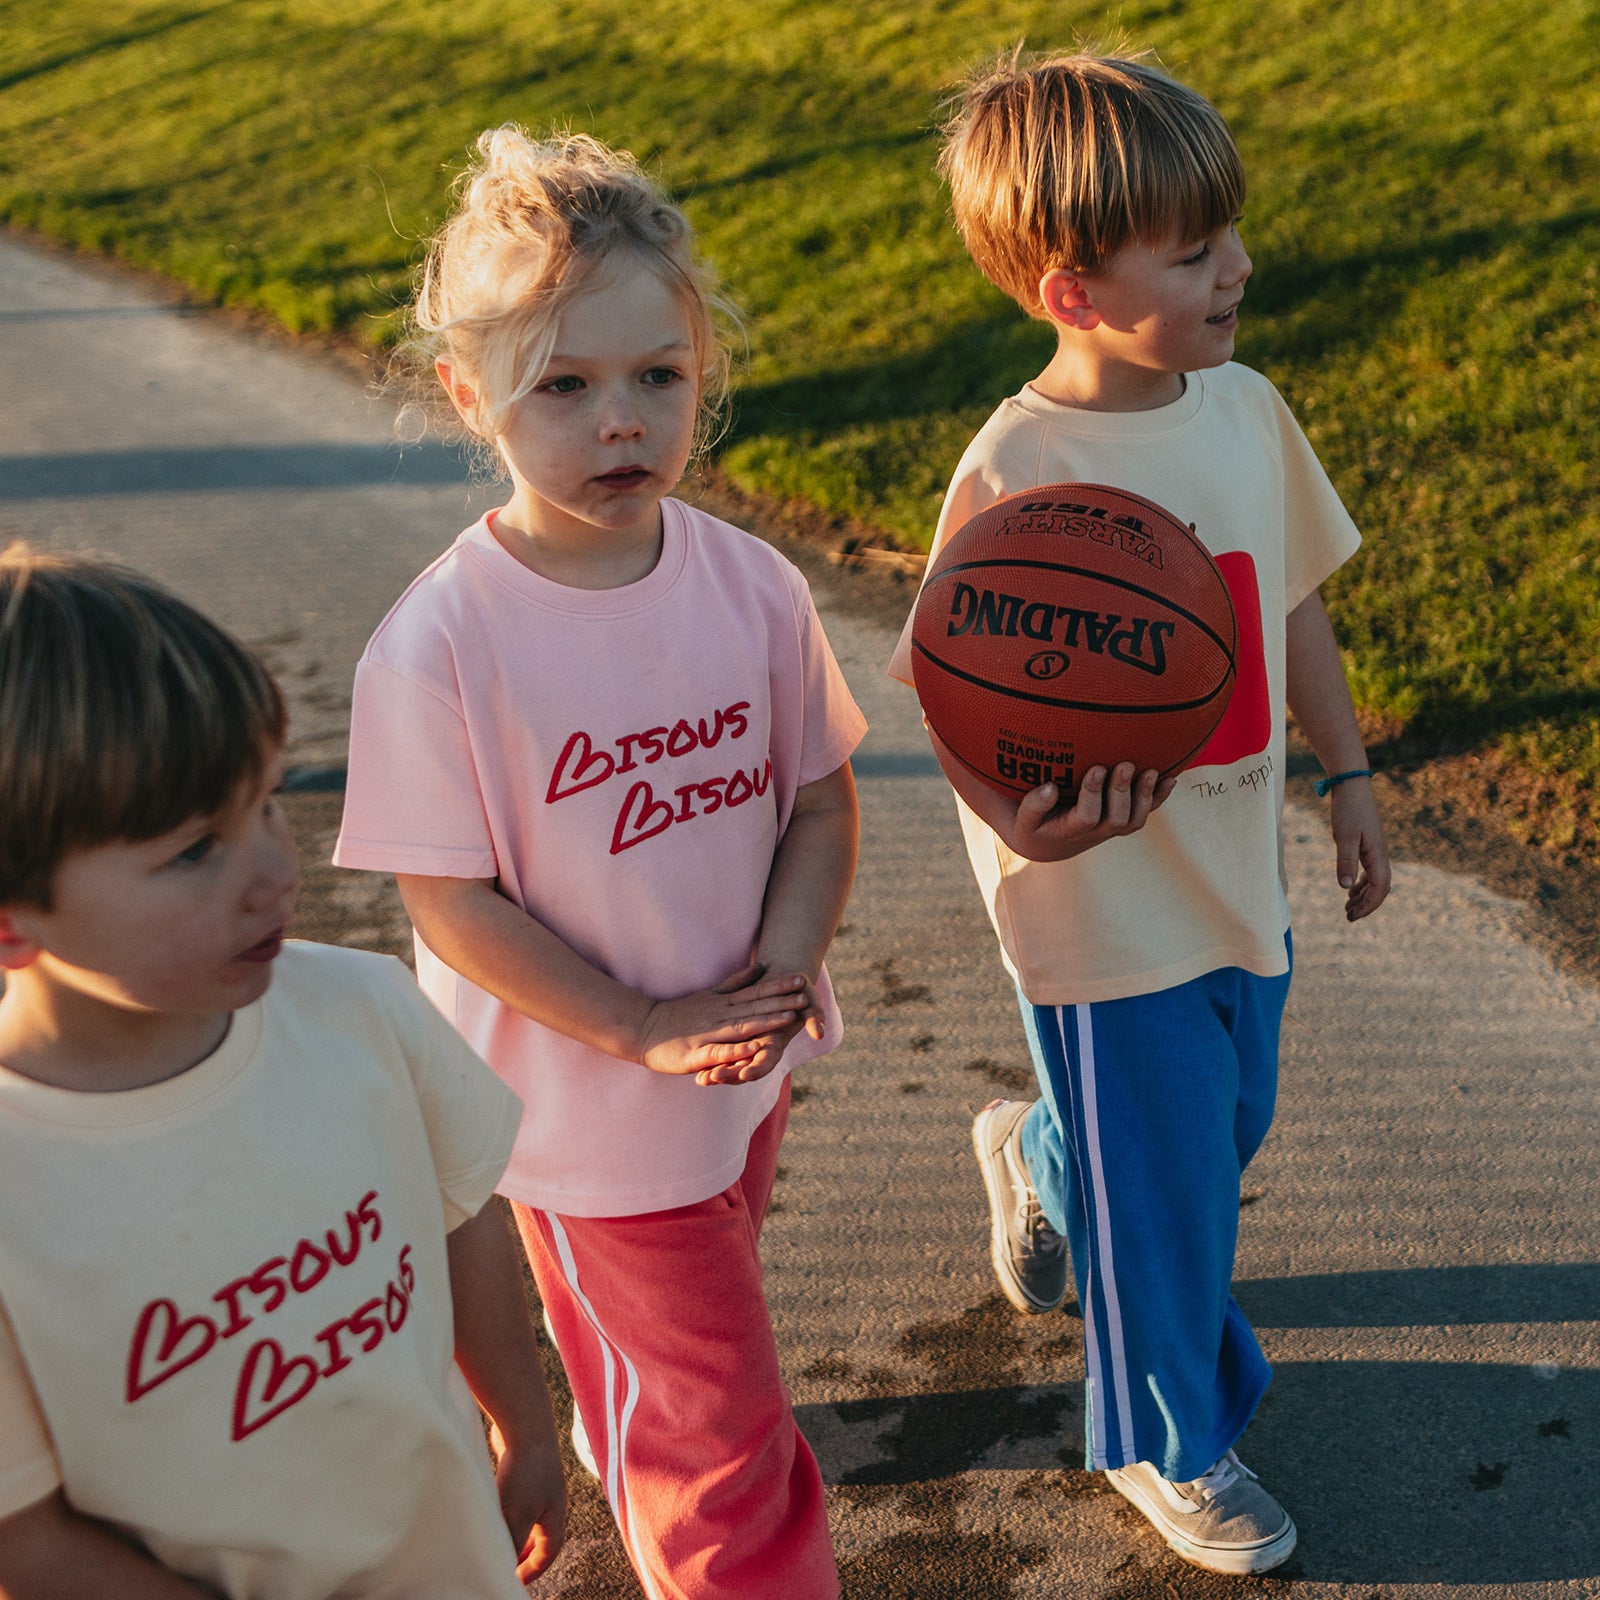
(1069, 627)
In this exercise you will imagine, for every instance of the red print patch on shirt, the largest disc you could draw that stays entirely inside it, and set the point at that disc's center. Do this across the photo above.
(1246, 726)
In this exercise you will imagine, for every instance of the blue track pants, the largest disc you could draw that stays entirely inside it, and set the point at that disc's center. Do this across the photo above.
(1151, 1109)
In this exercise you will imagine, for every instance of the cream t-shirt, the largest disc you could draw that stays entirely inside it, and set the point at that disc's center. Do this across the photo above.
(225, 1315)
(1201, 886)
(624, 763)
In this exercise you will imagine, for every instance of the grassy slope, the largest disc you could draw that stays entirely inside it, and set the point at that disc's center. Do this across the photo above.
(1423, 221)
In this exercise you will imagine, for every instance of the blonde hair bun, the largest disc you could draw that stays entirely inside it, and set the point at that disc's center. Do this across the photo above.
(534, 218)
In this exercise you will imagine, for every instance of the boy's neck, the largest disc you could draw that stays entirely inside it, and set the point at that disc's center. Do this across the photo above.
(1077, 378)
(69, 1040)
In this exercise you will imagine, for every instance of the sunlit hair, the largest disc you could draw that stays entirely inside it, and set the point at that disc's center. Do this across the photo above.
(1062, 162)
(537, 222)
(123, 713)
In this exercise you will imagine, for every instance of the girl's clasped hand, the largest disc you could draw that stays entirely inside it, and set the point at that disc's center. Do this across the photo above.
(734, 1033)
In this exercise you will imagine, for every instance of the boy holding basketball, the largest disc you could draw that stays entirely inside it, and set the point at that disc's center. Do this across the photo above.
(1146, 925)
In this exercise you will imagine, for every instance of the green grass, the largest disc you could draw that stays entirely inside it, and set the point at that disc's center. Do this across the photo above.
(1423, 218)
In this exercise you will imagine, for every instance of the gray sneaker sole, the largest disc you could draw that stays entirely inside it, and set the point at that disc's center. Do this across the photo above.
(991, 1163)
(1238, 1560)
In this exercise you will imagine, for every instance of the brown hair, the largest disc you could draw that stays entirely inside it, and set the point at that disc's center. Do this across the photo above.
(123, 712)
(536, 220)
(1064, 161)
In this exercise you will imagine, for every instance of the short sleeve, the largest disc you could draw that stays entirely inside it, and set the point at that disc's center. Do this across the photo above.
(1319, 535)
(831, 721)
(971, 490)
(412, 801)
(470, 1116)
(28, 1469)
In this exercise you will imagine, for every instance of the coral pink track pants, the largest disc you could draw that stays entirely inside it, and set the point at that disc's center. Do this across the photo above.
(667, 1343)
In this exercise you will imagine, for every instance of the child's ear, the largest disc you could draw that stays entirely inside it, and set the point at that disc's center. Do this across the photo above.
(462, 395)
(17, 949)
(1066, 300)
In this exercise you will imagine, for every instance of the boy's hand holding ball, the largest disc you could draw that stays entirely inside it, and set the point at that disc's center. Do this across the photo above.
(1040, 827)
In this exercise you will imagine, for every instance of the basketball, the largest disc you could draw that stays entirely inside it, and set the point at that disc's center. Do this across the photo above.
(1069, 627)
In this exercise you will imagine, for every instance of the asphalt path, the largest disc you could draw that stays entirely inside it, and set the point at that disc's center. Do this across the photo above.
(1420, 1238)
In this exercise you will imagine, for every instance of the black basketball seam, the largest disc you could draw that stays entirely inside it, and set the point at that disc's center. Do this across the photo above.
(1210, 733)
(1101, 577)
(994, 779)
(1071, 705)
(989, 778)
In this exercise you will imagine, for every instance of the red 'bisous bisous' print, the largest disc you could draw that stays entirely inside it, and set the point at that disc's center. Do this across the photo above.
(166, 1341)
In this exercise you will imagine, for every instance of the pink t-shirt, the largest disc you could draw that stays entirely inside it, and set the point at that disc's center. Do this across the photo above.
(624, 762)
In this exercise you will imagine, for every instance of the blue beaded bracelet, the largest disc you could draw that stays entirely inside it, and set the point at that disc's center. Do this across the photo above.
(1325, 784)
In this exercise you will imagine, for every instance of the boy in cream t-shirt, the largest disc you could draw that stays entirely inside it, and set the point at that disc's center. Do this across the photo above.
(248, 1275)
(1147, 926)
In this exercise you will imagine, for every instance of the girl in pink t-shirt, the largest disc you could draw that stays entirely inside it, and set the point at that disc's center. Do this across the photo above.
(604, 746)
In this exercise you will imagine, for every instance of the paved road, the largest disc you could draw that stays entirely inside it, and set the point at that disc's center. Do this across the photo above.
(1420, 1240)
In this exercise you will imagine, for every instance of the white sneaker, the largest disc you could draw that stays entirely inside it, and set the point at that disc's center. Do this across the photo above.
(1223, 1520)
(1028, 1255)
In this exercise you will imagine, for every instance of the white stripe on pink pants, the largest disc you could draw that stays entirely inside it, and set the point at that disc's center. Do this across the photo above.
(665, 1337)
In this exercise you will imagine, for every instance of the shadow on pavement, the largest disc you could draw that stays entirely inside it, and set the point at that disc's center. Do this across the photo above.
(1440, 1297)
(1396, 1471)
(1415, 1472)
(70, 475)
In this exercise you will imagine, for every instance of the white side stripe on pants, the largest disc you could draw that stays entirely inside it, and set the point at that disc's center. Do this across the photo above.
(1104, 1266)
(616, 1428)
